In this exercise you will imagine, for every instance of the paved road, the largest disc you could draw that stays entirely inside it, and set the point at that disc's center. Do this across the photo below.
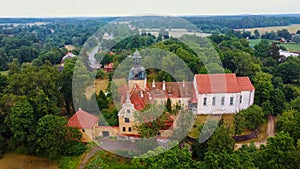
(270, 133)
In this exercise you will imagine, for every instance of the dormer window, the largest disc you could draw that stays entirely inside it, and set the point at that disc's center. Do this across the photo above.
(128, 111)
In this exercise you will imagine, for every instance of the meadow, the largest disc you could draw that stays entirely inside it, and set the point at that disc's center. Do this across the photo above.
(292, 47)
(292, 29)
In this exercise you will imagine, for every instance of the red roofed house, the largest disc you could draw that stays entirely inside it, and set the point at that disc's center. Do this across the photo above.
(85, 122)
(222, 93)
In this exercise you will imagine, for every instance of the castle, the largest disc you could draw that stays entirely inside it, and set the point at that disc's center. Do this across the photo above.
(206, 94)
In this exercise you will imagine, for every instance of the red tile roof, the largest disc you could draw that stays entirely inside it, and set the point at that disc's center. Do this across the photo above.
(137, 100)
(217, 83)
(245, 83)
(82, 120)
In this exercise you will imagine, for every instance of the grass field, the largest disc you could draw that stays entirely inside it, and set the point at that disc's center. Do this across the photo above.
(292, 47)
(292, 29)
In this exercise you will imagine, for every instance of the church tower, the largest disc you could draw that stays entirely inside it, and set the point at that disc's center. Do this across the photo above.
(137, 74)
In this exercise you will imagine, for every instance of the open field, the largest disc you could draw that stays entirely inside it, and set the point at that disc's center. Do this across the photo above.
(20, 161)
(292, 47)
(292, 29)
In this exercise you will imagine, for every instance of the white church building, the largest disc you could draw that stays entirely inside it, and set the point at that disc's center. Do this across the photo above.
(207, 94)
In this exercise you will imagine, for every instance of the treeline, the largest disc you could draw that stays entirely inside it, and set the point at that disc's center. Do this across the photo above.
(221, 24)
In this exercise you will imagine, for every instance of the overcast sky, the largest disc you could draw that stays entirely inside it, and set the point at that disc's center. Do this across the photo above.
(48, 8)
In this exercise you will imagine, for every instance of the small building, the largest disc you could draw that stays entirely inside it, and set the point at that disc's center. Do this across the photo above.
(86, 123)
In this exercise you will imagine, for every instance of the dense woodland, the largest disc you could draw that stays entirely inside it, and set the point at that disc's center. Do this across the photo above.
(36, 98)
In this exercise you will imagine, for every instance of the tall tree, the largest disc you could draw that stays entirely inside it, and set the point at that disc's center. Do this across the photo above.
(22, 123)
(221, 141)
(55, 138)
(280, 152)
(263, 87)
(289, 122)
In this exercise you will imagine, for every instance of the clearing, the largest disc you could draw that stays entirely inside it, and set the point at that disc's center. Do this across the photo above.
(100, 84)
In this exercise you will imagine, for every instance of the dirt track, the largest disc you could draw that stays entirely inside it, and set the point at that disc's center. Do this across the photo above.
(270, 133)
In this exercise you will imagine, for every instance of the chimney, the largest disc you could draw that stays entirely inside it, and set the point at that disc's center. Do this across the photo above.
(79, 108)
(153, 83)
(164, 85)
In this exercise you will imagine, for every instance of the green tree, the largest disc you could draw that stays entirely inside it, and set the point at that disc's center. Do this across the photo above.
(277, 99)
(261, 49)
(280, 152)
(22, 123)
(66, 83)
(289, 71)
(221, 141)
(102, 100)
(163, 158)
(263, 87)
(289, 122)
(284, 33)
(237, 160)
(169, 105)
(256, 34)
(55, 138)
(273, 51)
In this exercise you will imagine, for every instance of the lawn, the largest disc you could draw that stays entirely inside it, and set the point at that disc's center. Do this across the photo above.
(292, 29)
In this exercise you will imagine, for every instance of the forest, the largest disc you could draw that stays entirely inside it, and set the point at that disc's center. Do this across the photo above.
(36, 97)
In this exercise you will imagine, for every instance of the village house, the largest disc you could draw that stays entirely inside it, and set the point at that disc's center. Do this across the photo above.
(206, 94)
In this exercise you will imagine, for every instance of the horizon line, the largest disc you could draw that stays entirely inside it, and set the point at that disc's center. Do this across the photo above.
(149, 14)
